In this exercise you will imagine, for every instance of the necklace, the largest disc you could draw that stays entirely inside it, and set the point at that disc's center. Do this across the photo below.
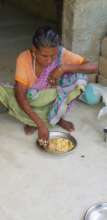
(36, 67)
(34, 63)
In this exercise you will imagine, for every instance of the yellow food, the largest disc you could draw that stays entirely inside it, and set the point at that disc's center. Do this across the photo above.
(60, 145)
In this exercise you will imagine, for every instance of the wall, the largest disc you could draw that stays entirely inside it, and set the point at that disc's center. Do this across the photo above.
(44, 9)
(67, 22)
(103, 63)
(84, 24)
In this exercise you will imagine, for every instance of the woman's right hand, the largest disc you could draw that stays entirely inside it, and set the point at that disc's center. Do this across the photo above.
(43, 133)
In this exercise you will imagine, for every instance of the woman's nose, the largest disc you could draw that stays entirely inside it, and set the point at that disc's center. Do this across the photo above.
(49, 60)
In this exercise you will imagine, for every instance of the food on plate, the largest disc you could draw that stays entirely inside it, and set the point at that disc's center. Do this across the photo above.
(60, 145)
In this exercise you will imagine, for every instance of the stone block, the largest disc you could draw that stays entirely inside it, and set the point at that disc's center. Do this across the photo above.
(92, 78)
(102, 80)
(104, 47)
(103, 66)
(84, 24)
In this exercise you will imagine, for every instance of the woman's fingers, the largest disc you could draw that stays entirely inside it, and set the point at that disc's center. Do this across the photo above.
(43, 143)
(43, 135)
(52, 82)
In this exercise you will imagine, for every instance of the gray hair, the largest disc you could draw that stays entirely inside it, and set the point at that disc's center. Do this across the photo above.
(45, 36)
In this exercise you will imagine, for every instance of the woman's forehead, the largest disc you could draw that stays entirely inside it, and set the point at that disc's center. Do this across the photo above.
(48, 50)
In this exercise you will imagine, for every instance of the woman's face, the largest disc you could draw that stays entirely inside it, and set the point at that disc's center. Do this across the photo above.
(45, 55)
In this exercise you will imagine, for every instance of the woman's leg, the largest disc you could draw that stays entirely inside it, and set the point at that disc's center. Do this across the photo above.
(41, 105)
(67, 125)
(70, 88)
(29, 129)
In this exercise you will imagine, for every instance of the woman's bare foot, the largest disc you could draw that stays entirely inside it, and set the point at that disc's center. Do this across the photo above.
(66, 125)
(29, 129)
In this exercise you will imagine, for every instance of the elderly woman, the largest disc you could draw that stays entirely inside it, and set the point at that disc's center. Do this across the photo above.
(48, 78)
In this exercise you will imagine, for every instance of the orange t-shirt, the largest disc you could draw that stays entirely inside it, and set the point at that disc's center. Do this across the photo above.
(24, 69)
(69, 57)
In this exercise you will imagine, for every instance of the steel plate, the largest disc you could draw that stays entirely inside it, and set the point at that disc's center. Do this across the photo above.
(58, 134)
(97, 212)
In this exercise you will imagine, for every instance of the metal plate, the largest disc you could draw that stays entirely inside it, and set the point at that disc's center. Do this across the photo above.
(97, 212)
(58, 134)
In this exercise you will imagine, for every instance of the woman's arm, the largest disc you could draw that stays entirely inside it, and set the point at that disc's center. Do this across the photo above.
(20, 93)
(74, 68)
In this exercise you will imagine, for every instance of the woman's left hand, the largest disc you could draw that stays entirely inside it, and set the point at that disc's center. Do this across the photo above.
(52, 82)
(54, 76)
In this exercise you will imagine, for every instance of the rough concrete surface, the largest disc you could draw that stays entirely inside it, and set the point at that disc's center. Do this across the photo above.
(103, 66)
(34, 184)
(104, 47)
(86, 27)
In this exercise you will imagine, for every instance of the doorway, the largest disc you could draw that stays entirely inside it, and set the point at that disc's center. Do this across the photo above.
(17, 25)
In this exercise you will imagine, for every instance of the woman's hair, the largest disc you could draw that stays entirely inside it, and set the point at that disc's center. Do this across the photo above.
(46, 36)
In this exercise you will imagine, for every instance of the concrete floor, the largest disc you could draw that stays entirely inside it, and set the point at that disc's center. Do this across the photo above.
(34, 184)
